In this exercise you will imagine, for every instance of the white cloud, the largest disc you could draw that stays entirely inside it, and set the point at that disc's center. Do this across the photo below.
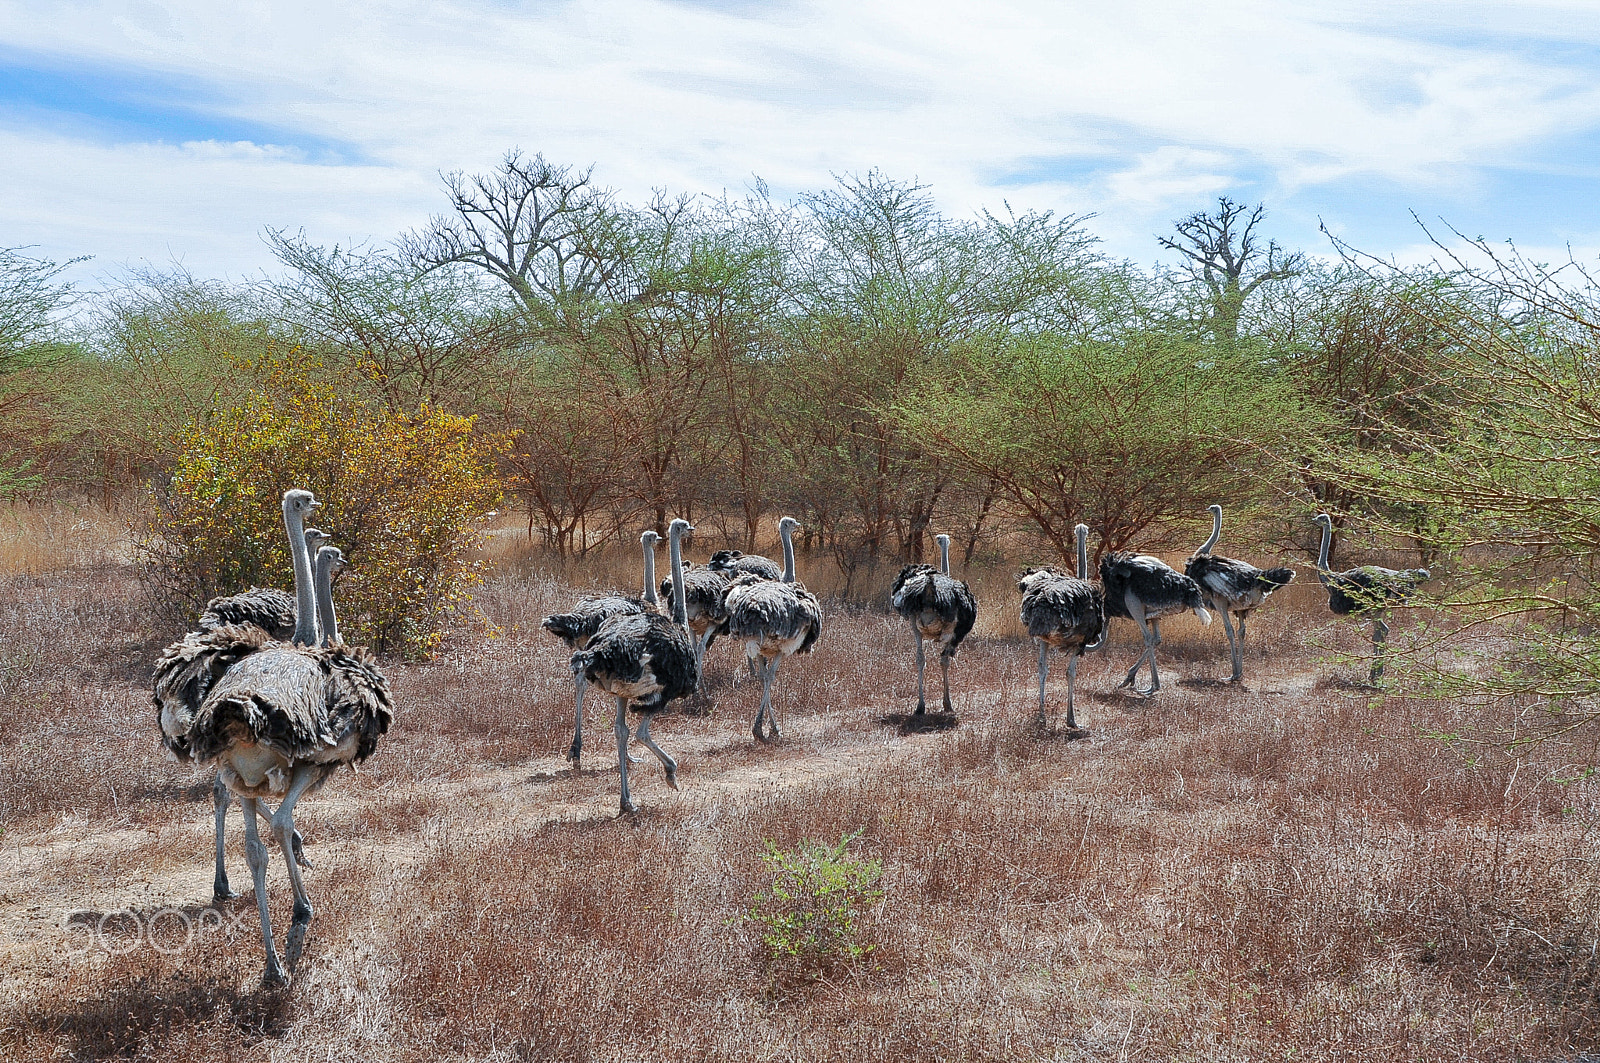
(1163, 103)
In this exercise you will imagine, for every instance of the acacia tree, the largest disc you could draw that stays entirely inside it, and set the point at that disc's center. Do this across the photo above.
(1363, 345)
(415, 336)
(1121, 435)
(1225, 258)
(885, 289)
(31, 296)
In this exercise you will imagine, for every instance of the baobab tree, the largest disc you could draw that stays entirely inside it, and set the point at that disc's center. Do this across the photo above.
(1225, 256)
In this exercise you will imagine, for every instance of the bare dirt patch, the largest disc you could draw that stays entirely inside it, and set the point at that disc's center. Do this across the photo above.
(1291, 867)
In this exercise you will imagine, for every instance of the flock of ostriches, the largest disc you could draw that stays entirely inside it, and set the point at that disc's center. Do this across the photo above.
(267, 692)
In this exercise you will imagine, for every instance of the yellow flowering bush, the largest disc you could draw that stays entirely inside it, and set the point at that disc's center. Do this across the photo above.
(402, 494)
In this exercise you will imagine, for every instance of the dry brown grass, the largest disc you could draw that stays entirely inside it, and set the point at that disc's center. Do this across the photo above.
(37, 537)
(1289, 871)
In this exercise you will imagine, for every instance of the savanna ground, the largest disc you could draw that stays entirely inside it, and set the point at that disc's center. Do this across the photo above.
(1302, 869)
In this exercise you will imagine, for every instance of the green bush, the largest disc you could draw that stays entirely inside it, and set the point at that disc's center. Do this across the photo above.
(815, 917)
(401, 490)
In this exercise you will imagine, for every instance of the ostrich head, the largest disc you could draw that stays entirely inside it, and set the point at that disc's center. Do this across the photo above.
(649, 539)
(678, 525)
(1324, 520)
(787, 525)
(316, 539)
(299, 502)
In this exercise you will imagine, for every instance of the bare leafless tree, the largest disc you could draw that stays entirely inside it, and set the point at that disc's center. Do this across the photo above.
(1225, 256)
(547, 231)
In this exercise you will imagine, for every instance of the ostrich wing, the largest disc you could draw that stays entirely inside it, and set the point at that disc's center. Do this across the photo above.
(269, 609)
(186, 673)
(278, 696)
(1064, 606)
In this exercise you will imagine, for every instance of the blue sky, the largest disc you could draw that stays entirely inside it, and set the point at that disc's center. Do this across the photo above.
(152, 133)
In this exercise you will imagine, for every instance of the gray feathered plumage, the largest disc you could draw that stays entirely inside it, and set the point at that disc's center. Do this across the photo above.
(1065, 613)
(705, 591)
(1143, 589)
(579, 626)
(1233, 588)
(938, 607)
(774, 620)
(733, 564)
(270, 609)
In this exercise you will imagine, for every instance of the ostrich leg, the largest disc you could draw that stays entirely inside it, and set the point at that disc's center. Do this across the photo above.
(1241, 648)
(1155, 676)
(1044, 673)
(305, 776)
(773, 733)
(1380, 635)
(621, 727)
(575, 753)
(1233, 649)
(944, 668)
(255, 852)
(1152, 638)
(1072, 681)
(577, 729)
(220, 797)
(666, 762)
(922, 704)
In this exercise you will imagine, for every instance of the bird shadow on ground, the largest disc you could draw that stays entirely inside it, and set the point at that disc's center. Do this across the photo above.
(544, 778)
(911, 723)
(1200, 683)
(1342, 682)
(1049, 732)
(136, 1018)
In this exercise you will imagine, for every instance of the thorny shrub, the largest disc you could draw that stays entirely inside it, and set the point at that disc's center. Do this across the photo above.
(402, 492)
(814, 915)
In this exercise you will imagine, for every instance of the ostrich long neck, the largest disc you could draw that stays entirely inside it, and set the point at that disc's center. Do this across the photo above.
(788, 553)
(1216, 532)
(944, 554)
(305, 615)
(1322, 557)
(325, 614)
(1083, 552)
(680, 605)
(650, 572)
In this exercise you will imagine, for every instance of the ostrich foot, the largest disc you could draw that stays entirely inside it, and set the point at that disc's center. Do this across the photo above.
(922, 708)
(574, 755)
(672, 778)
(628, 808)
(275, 977)
(222, 892)
(297, 845)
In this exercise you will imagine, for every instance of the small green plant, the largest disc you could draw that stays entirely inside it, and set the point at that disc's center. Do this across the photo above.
(814, 917)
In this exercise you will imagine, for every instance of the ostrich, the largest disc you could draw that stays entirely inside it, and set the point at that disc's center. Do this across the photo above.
(646, 659)
(1144, 589)
(329, 561)
(579, 626)
(1366, 591)
(268, 608)
(704, 589)
(1231, 586)
(733, 564)
(278, 720)
(1065, 613)
(273, 611)
(938, 608)
(774, 620)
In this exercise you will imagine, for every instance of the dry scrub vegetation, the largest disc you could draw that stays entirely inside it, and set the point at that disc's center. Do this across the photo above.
(1291, 871)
